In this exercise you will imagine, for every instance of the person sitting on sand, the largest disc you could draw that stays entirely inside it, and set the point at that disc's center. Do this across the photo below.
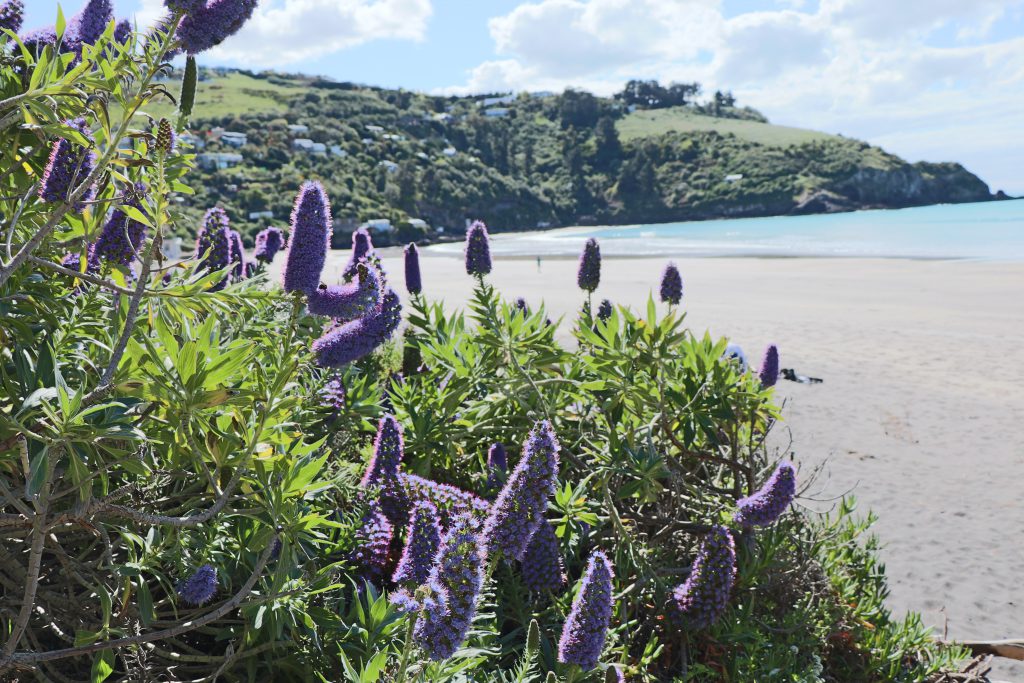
(734, 352)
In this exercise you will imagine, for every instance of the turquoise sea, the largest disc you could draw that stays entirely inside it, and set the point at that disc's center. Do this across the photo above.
(988, 231)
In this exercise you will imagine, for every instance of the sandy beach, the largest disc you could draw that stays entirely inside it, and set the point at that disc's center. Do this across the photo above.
(917, 417)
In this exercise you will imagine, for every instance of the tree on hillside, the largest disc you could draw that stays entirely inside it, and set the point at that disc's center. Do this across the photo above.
(578, 109)
(606, 136)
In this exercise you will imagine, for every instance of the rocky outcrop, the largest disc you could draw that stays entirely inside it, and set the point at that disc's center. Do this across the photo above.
(910, 185)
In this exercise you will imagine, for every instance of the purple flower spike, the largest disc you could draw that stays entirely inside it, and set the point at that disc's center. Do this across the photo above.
(206, 27)
(451, 502)
(431, 600)
(237, 255)
(521, 305)
(413, 279)
(268, 243)
(213, 244)
(497, 466)
(704, 596)
(121, 237)
(351, 341)
(332, 395)
(373, 542)
(543, 569)
(37, 39)
(186, 6)
(88, 25)
(460, 572)
(309, 239)
(348, 302)
(68, 166)
(420, 547)
(604, 310)
(12, 13)
(770, 367)
(519, 508)
(199, 588)
(478, 250)
(586, 627)
(768, 504)
(382, 471)
(123, 32)
(589, 274)
(362, 250)
(671, 285)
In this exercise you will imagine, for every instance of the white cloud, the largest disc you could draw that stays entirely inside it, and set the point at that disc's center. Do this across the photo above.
(283, 32)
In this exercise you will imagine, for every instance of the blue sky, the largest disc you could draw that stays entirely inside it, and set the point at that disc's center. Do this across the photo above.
(927, 79)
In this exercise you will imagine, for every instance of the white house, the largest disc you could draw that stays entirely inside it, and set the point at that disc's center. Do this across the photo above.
(375, 129)
(449, 151)
(423, 155)
(497, 112)
(233, 139)
(378, 224)
(309, 147)
(492, 101)
(390, 166)
(256, 215)
(218, 160)
(734, 177)
(298, 129)
(418, 223)
(337, 151)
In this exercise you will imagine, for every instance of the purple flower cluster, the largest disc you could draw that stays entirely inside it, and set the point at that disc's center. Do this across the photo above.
(497, 466)
(123, 32)
(87, 26)
(382, 470)
(519, 508)
(362, 250)
(543, 569)
(199, 588)
(268, 242)
(209, 24)
(586, 627)
(521, 305)
(373, 542)
(459, 570)
(478, 250)
(309, 239)
(184, 5)
(350, 341)
(671, 285)
(767, 505)
(413, 278)
(121, 238)
(604, 310)
(430, 599)
(237, 255)
(68, 166)
(770, 367)
(37, 39)
(213, 243)
(451, 501)
(12, 13)
(348, 302)
(704, 596)
(332, 395)
(589, 274)
(421, 545)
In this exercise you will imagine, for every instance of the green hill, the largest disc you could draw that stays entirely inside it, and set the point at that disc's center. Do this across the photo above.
(525, 161)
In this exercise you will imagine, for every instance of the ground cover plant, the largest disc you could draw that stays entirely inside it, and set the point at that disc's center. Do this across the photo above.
(205, 475)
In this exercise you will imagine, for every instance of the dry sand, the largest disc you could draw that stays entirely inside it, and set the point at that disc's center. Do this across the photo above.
(919, 415)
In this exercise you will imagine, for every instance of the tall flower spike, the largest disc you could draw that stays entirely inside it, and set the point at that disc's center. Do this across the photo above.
(704, 596)
(237, 255)
(451, 501)
(382, 470)
(497, 466)
(770, 367)
(121, 238)
(351, 341)
(543, 569)
(88, 25)
(362, 250)
(734, 353)
(213, 243)
(459, 570)
(421, 546)
(413, 279)
(12, 13)
(519, 508)
(68, 166)
(268, 242)
(671, 285)
(478, 249)
(209, 26)
(199, 588)
(766, 505)
(309, 239)
(586, 627)
(373, 542)
(123, 32)
(589, 274)
(348, 302)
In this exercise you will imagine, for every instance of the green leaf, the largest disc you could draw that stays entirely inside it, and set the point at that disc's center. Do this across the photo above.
(102, 666)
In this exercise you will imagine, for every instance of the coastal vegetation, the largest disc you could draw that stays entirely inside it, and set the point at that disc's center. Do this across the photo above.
(208, 475)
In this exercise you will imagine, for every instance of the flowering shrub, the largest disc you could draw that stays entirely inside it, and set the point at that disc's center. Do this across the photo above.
(203, 473)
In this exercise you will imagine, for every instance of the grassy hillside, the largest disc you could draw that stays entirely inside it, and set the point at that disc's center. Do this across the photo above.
(656, 122)
(534, 160)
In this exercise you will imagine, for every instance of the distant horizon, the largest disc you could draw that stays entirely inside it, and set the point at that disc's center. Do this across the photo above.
(929, 81)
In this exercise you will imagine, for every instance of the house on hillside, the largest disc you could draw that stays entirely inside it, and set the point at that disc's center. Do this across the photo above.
(378, 224)
(233, 139)
(218, 160)
(497, 112)
(733, 178)
(298, 129)
(449, 151)
(337, 151)
(389, 166)
(418, 223)
(309, 147)
(494, 101)
(256, 215)
(376, 130)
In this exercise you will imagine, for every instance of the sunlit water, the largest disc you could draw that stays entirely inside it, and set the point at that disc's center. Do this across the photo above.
(990, 231)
